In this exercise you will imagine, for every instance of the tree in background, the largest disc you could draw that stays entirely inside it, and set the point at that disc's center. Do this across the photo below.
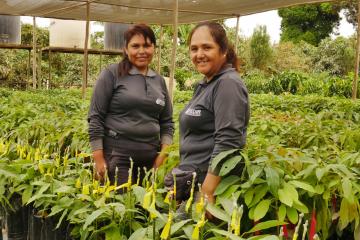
(351, 9)
(260, 48)
(334, 56)
(42, 35)
(310, 23)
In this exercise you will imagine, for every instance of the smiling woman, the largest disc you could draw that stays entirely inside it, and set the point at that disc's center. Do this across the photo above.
(130, 116)
(216, 118)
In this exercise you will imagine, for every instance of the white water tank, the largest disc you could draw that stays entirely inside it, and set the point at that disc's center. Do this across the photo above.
(114, 35)
(67, 33)
(10, 29)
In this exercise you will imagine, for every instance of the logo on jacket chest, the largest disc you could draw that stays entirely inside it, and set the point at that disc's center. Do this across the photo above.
(193, 112)
(160, 102)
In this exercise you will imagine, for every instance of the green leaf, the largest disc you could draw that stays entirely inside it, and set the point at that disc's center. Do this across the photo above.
(273, 180)
(230, 164)
(27, 194)
(93, 216)
(226, 183)
(113, 233)
(249, 195)
(265, 225)
(138, 234)
(217, 212)
(251, 213)
(260, 192)
(261, 209)
(61, 218)
(285, 197)
(282, 212)
(303, 185)
(291, 190)
(175, 227)
(227, 234)
(292, 215)
(300, 206)
(344, 214)
(320, 173)
(218, 158)
(227, 204)
(347, 188)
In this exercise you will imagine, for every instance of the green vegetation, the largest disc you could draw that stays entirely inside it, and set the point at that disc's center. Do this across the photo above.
(302, 156)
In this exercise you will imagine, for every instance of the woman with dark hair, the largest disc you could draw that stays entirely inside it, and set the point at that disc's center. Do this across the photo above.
(130, 115)
(217, 116)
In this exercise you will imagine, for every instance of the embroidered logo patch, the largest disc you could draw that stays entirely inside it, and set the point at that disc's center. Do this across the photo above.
(160, 102)
(193, 112)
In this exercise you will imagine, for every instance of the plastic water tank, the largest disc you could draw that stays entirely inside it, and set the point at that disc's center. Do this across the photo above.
(67, 33)
(10, 29)
(114, 35)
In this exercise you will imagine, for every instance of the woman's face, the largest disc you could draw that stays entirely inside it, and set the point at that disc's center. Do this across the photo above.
(140, 52)
(205, 52)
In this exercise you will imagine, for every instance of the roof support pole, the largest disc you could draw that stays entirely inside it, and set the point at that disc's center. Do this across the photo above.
(173, 53)
(356, 77)
(159, 49)
(86, 60)
(28, 70)
(237, 34)
(34, 53)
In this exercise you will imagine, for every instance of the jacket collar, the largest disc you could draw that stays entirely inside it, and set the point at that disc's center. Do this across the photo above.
(135, 71)
(223, 70)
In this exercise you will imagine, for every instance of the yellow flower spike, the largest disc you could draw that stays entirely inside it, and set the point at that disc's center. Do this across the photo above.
(78, 183)
(153, 204)
(95, 184)
(28, 157)
(168, 197)
(191, 198)
(196, 233)
(65, 160)
(41, 168)
(199, 207)
(138, 178)
(86, 189)
(166, 230)
(37, 156)
(147, 200)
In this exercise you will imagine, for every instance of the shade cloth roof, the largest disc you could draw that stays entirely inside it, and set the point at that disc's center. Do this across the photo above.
(148, 11)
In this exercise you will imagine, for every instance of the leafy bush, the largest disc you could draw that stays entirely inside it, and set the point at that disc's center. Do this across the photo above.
(290, 56)
(334, 56)
(287, 81)
(337, 86)
(256, 81)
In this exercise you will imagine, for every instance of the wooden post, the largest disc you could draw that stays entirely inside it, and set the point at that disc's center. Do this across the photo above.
(28, 70)
(237, 34)
(39, 66)
(85, 62)
(159, 51)
(34, 53)
(49, 80)
(100, 62)
(356, 77)
(173, 54)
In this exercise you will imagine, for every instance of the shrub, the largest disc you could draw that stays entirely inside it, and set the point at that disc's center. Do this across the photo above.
(287, 81)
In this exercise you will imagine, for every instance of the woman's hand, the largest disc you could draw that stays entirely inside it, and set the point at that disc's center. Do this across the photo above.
(208, 189)
(161, 157)
(100, 164)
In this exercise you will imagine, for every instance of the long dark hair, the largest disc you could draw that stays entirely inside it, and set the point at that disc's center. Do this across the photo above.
(219, 35)
(139, 29)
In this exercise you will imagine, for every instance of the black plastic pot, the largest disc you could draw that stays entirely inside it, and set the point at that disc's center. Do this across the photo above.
(17, 224)
(43, 228)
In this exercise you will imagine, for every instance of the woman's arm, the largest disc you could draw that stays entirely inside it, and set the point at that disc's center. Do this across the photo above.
(161, 157)
(100, 101)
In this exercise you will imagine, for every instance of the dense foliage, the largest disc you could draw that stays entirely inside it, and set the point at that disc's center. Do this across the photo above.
(310, 23)
(302, 156)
